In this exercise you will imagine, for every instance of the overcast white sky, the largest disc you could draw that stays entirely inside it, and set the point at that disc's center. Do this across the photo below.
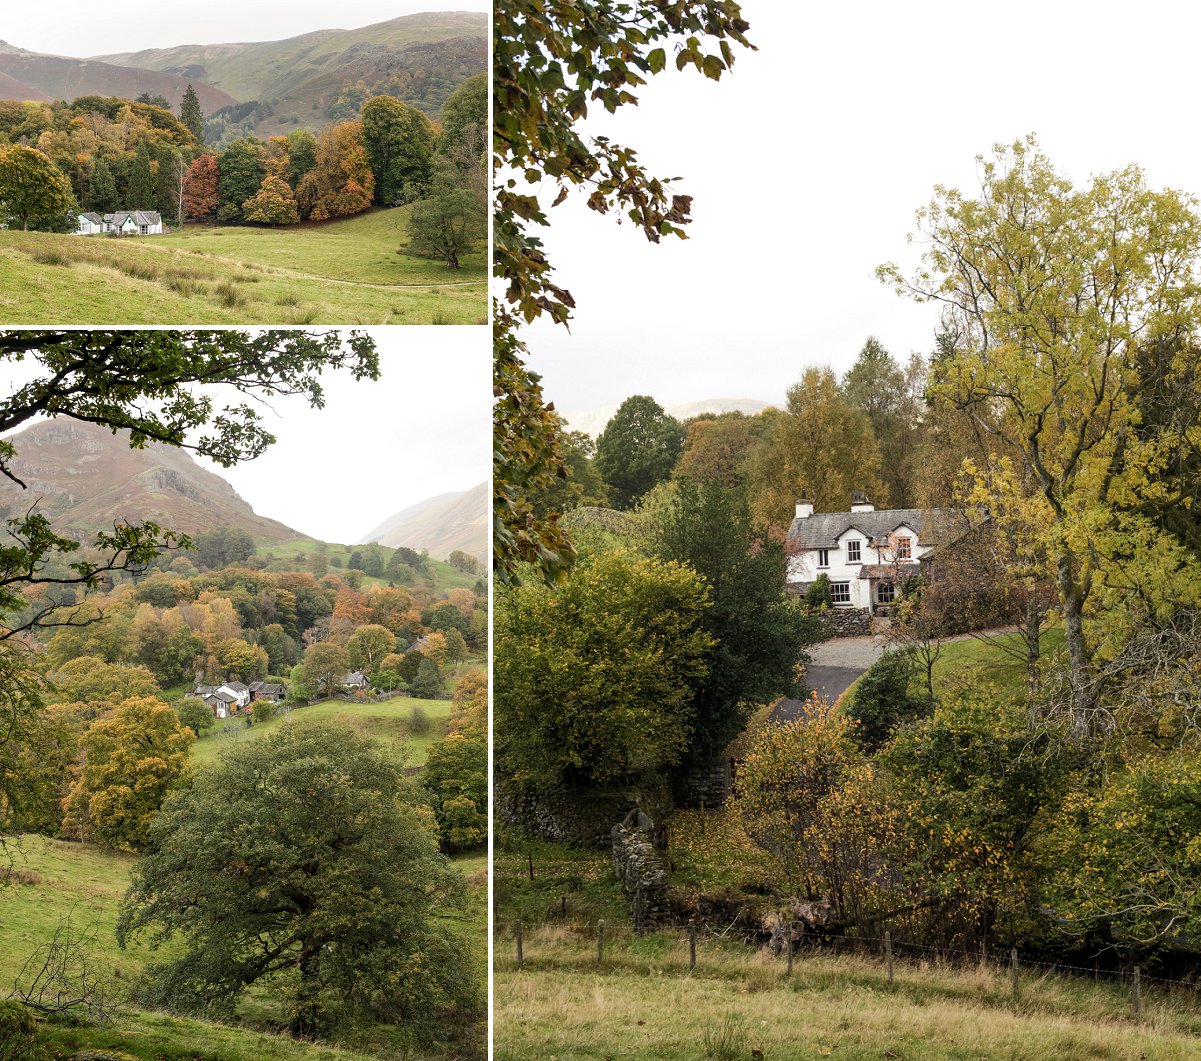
(807, 165)
(80, 28)
(376, 448)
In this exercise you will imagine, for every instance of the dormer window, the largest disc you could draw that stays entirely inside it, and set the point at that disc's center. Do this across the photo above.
(823, 558)
(853, 556)
(904, 550)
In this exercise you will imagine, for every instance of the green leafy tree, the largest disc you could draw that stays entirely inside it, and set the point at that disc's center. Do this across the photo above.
(102, 190)
(883, 700)
(400, 144)
(456, 774)
(142, 191)
(368, 645)
(427, 683)
(302, 156)
(594, 677)
(759, 633)
(132, 758)
(191, 115)
(34, 193)
(1052, 290)
(342, 893)
(324, 666)
(449, 222)
(465, 117)
(196, 715)
(638, 448)
(240, 175)
(551, 62)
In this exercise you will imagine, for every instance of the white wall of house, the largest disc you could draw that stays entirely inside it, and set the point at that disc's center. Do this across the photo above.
(843, 562)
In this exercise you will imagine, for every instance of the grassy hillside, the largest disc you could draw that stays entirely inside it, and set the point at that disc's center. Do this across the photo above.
(348, 271)
(284, 554)
(645, 1005)
(390, 723)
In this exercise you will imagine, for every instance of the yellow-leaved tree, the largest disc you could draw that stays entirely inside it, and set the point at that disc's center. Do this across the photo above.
(1054, 295)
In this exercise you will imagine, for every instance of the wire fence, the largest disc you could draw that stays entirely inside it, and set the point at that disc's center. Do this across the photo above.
(1021, 971)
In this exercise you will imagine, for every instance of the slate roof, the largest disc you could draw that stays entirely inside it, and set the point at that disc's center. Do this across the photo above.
(140, 217)
(223, 696)
(823, 529)
(354, 678)
(206, 690)
(889, 571)
(95, 218)
(237, 687)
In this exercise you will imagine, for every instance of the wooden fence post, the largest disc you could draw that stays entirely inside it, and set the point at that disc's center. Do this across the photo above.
(563, 906)
(692, 943)
(1013, 962)
(600, 941)
(789, 943)
(520, 956)
(1138, 993)
(530, 856)
(888, 952)
(638, 908)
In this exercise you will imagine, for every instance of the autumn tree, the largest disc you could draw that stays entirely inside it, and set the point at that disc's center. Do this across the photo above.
(1054, 290)
(132, 758)
(324, 666)
(637, 449)
(368, 645)
(341, 182)
(550, 64)
(200, 189)
(717, 449)
(456, 774)
(820, 446)
(33, 192)
(272, 204)
(344, 895)
(400, 145)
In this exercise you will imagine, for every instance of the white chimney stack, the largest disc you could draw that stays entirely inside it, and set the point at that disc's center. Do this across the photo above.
(804, 509)
(860, 502)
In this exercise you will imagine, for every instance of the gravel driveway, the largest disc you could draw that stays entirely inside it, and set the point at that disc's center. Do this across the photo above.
(835, 664)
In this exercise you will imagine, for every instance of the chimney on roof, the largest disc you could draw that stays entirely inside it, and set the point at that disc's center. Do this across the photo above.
(860, 502)
(804, 508)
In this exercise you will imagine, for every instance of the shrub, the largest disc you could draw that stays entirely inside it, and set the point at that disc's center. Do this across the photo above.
(882, 698)
(229, 295)
(18, 1042)
(419, 721)
(263, 710)
(818, 595)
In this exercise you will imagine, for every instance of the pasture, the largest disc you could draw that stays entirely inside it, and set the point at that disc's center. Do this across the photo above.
(351, 271)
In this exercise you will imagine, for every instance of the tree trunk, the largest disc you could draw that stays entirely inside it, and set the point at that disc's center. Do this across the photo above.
(1080, 664)
(1033, 637)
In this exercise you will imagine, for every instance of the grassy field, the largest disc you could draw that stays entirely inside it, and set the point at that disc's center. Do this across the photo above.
(645, 1005)
(349, 271)
(389, 723)
(970, 659)
(282, 556)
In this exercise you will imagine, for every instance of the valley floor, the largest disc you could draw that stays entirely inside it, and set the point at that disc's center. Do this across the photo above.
(344, 272)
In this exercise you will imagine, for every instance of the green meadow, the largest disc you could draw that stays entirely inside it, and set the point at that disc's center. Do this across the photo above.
(352, 271)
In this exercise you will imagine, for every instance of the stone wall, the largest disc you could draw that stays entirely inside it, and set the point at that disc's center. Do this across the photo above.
(706, 783)
(643, 877)
(850, 622)
(561, 817)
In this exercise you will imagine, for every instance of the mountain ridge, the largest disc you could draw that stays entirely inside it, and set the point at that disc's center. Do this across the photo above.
(85, 477)
(440, 524)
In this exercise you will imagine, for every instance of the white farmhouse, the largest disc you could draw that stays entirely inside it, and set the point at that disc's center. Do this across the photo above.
(134, 223)
(866, 553)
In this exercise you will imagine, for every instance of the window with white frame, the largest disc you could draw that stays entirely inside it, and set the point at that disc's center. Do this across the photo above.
(904, 548)
(886, 592)
(823, 558)
(840, 592)
(853, 556)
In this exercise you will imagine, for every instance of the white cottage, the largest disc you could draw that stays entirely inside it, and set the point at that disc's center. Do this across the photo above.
(866, 553)
(134, 223)
(89, 224)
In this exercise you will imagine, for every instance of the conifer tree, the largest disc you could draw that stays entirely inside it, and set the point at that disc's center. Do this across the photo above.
(191, 115)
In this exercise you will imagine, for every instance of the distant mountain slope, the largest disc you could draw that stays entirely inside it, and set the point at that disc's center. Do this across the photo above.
(592, 421)
(427, 54)
(60, 77)
(440, 525)
(11, 88)
(85, 478)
